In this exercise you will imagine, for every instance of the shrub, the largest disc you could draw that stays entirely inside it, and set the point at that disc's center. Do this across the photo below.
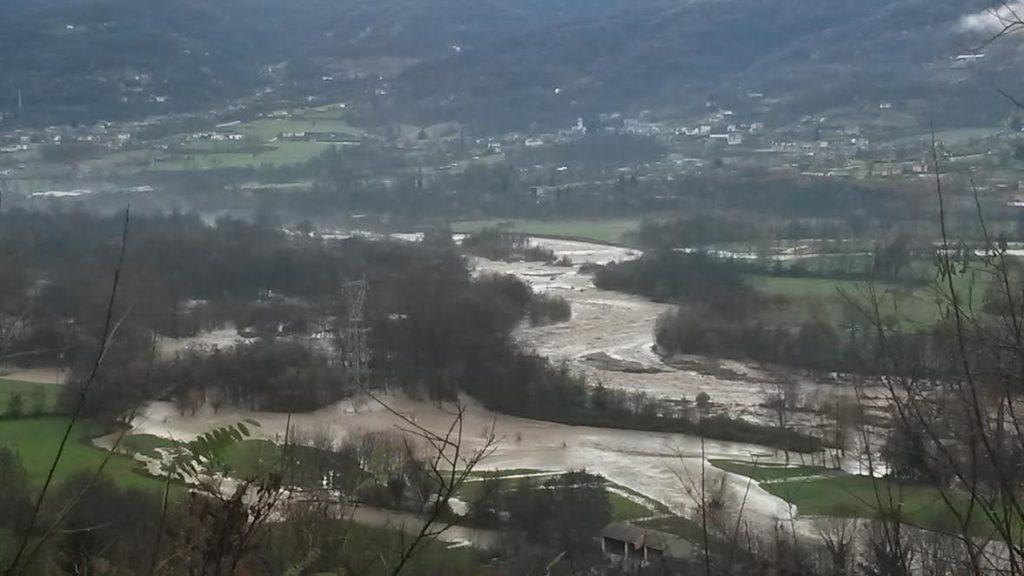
(494, 244)
(16, 406)
(703, 400)
(684, 278)
(545, 309)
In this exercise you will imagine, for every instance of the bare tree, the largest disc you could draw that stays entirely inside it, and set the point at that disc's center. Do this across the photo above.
(783, 398)
(838, 535)
(109, 327)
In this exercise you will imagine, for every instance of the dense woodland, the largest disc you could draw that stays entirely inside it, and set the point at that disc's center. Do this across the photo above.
(669, 276)
(384, 179)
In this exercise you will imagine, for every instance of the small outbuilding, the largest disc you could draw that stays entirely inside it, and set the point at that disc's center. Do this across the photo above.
(635, 547)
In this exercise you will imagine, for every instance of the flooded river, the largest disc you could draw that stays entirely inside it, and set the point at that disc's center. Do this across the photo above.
(658, 465)
(605, 325)
(610, 338)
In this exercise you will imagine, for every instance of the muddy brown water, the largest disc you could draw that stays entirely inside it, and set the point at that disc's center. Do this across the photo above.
(609, 324)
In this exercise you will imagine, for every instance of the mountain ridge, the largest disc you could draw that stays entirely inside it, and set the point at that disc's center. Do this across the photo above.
(495, 64)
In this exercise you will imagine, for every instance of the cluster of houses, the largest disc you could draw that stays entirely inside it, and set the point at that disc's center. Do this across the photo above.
(101, 134)
(720, 125)
(323, 137)
(215, 136)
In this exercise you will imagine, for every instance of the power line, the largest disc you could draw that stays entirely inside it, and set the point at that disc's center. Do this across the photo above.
(356, 355)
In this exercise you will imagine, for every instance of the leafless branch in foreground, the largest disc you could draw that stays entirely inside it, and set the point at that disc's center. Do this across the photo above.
(105, 338)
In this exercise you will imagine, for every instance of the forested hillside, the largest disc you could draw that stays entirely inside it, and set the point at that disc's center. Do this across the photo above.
(664, 55)
(80, 61)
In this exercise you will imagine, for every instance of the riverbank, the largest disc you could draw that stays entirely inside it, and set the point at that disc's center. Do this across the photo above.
(614, 327)
(607, 232)
(649, 463)
(610, 340)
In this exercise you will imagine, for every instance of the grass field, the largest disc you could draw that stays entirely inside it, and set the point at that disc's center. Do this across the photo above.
(622, 507)
(829, 299)
(506, 472)
(608, 231)
(37, 439)
(247, 458)
(268, 128)
(625, 509)
(253, 457)
(367, 549)
(213, 155)
(35, 398)
(772, 472)
(275, 154)
(250, 458)
(825, 492)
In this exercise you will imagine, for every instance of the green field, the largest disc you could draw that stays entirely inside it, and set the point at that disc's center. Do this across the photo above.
(253, 457)
(622, 508)
(830, 299)
(367, 549)
(267, 129)
(825, 492)
(608, 231)
(506, 472)
(625, 509)
(35, 398)
(275, 154)
(772, 472)
(262, 147)
(248, 458)
(37, 439)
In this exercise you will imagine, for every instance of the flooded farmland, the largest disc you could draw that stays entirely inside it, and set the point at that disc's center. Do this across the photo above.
(610, 338)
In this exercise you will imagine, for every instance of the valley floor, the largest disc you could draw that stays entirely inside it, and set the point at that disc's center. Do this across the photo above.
(660, 466)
